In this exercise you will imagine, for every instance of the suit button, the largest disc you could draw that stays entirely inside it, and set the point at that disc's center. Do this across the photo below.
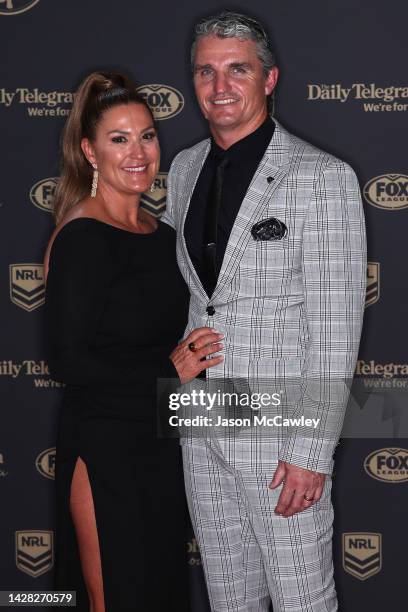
(210, 310)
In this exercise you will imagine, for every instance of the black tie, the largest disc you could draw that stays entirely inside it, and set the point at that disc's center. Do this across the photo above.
(211, 226)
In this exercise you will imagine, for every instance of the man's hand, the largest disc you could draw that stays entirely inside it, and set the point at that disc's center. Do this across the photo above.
(301, 489)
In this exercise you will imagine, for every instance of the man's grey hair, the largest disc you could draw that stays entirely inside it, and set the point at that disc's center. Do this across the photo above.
(235, 25)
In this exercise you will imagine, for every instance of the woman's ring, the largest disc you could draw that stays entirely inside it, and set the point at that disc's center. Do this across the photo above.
(192, 347)
(306, 498)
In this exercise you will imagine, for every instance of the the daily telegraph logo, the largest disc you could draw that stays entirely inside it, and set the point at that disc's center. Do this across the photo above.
(27, 286)
(373, 283)
(376, 375)
(45, 463)
(38, 103)
(34, 552)
(372, 97)
(362, 555)
(383, 370)
(387, 191)
(388, 465)
(164, 101)
(193, 552)
(155, 202)
(37, 370)
(42, 193)
(15, 7)
(28, 367)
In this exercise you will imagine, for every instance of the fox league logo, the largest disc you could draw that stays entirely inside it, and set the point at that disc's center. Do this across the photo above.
(15, 7)
(34, 552)
(42, 193)
(388, 465)
(388, 191)
(362, 555)
(45, 463)
(164, 101)
(27, 287)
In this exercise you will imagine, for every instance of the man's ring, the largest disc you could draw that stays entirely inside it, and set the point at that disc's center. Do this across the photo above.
(306, 498)
(192, 347)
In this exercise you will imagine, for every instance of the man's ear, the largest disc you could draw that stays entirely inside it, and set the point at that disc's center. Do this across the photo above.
(88, 151)
(271, 80)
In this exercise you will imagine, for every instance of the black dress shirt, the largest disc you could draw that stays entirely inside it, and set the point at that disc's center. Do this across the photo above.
(244, 157)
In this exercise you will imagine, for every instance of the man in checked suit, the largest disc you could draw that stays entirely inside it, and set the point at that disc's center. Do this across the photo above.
(271, 243)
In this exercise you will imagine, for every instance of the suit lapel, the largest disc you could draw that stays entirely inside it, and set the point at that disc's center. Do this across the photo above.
(275, 163)
(192, 174)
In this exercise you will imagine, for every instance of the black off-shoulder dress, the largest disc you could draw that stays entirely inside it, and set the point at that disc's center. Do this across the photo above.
(116, 306)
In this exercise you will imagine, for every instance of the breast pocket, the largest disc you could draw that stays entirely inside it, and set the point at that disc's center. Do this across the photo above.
(262, 253)
(270, 268)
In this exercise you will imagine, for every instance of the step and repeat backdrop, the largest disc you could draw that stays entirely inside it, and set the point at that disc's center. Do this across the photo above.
(344, 87)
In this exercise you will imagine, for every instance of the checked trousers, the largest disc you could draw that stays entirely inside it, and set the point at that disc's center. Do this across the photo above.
(250, 555)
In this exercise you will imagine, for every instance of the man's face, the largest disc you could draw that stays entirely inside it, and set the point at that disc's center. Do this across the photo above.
(230, 84)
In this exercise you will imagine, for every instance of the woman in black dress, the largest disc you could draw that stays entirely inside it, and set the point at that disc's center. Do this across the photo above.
(116, 307)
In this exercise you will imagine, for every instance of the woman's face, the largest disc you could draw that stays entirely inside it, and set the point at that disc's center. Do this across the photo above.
(125, 149)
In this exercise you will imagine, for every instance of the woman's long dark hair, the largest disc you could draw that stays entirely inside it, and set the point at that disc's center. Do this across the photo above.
(99, 92)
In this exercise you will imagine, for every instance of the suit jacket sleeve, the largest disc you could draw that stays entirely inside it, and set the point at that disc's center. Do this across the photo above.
(334, 276)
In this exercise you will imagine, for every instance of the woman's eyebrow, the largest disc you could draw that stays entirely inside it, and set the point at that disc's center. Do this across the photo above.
(119, 131)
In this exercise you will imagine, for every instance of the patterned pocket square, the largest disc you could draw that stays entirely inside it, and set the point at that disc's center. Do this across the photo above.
(269, 229)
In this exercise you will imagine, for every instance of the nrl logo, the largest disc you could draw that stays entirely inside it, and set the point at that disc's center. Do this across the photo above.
(27, 287)
(15, 7)
(155, 202)
(373, 283)
(362, 556)
(34, 552)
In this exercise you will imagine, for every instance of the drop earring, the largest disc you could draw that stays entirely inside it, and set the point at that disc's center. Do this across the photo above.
(153, 187)
(94, 181)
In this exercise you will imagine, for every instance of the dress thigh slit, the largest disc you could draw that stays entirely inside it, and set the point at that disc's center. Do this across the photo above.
(139, 507)
(83, 514)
